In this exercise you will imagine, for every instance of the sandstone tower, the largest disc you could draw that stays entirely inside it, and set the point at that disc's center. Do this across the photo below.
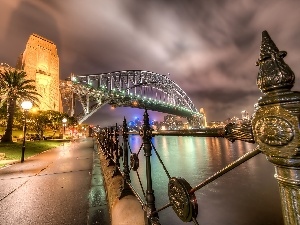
(203, 122)
(41, 63)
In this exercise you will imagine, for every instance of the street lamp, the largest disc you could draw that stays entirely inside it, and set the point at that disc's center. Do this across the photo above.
(26, 105)
(64, 120)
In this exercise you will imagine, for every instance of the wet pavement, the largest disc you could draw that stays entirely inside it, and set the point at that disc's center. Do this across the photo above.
(60, 186)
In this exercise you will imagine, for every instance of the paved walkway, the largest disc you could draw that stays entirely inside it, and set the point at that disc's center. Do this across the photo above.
(60, 186)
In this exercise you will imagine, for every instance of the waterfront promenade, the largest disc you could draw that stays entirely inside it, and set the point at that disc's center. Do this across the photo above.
(63, 185)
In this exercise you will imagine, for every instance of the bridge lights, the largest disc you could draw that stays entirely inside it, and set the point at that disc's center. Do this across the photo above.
(73, 78)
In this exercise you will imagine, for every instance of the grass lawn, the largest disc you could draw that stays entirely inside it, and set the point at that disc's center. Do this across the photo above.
(13, 150)
(19, 133)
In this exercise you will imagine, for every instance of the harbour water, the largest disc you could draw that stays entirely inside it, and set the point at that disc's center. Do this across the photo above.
(247, 195)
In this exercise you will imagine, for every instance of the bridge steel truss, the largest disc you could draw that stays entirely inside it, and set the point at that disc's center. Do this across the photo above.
(131, 88)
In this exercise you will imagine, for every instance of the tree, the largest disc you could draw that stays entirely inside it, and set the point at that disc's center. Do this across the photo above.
(72, 121)
(38, 121)
(55, 120)
(72, 124)
(3, 116)
(15, 88)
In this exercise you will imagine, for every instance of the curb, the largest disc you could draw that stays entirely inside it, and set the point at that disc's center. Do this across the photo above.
(125, 211)
(98, 212)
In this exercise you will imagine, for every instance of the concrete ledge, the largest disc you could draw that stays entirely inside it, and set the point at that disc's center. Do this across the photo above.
(126, 211)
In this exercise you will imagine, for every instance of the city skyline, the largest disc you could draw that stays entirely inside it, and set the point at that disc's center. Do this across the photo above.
(209, 48)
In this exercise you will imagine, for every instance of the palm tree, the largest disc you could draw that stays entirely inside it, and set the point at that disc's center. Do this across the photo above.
(15, 88)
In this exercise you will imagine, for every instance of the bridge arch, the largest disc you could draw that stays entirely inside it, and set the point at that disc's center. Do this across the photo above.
(131, 88)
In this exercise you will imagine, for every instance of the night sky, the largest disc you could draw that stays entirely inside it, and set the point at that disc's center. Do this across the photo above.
(209, 47)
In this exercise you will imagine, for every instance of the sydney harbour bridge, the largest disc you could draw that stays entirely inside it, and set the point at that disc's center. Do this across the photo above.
(128, 88)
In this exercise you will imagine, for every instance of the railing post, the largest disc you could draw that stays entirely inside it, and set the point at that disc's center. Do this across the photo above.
(150, 198)
(115, 146)
(125, 189)
(275, 125)
(110, 147)
(106, 138)
(111, 142)
(125, 152)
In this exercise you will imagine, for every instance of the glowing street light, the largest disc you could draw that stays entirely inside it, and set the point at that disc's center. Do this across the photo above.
(26, 105)
(64, 121)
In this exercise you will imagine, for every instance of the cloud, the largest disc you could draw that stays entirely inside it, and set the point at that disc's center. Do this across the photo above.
(209, 47)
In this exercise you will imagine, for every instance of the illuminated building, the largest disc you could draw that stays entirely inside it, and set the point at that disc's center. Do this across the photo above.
(135, 125)
(172, 122)
(41, 64)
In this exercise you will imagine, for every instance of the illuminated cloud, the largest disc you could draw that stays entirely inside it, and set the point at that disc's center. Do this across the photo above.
(209, 47)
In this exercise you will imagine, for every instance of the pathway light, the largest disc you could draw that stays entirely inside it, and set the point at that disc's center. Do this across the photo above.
(26, 106)
(64, 121)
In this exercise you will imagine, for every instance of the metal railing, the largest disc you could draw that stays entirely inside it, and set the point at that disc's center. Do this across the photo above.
(274, 127)
(181, 195)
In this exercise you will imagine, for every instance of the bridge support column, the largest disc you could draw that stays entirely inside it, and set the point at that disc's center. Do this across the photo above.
(275, 125)
(88, 80)
(72, 103)
(87, 104)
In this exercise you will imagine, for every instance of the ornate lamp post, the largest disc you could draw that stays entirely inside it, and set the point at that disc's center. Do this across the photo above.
(64, 121)
(26, 105)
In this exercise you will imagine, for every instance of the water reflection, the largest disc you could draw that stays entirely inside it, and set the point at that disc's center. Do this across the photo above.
(245, 196)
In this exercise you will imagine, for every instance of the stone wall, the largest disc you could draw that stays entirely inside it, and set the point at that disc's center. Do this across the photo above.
(125, 211)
